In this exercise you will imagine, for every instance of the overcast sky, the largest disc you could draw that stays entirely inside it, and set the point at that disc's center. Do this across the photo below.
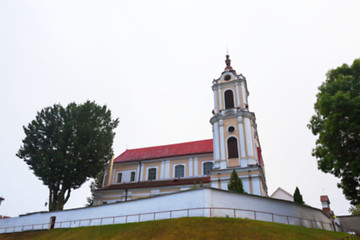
(152, 63)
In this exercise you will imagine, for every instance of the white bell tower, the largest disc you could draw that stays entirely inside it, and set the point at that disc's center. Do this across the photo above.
(235, 137)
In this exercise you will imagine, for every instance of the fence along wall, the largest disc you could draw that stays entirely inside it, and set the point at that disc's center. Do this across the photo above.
(201, 202)
(268, 209)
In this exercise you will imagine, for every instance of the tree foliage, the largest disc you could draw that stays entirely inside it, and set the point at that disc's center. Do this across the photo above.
(297, 196)
(355, 210)
(67, 146)
(235, 183)
(336, 123)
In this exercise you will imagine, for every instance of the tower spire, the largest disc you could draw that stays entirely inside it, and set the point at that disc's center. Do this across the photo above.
(228, 64)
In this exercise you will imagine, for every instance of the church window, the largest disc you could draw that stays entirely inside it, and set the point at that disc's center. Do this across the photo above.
(227, 77)
(229, 99)
(207, 168)
(152, 174)
(132, 177)
(231, 129)
(119, 177)
(179, 171)
(232, 147)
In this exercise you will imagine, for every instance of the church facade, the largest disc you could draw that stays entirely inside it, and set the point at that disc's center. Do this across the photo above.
(144, 172)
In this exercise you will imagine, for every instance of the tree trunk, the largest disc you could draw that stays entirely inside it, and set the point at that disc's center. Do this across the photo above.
(57, 198)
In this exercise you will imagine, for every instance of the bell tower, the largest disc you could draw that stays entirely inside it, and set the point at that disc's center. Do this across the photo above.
(235, 137)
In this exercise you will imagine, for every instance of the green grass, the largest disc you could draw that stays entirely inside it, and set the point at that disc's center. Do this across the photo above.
(182, 228)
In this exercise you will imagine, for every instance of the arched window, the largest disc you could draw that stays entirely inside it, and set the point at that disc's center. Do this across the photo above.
(207, 168)
(229, 99)
(152, 174)
(179, 171)
(232, 147)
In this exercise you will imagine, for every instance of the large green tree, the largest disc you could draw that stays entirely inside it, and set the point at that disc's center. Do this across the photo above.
(336, 123)
(67, 146)
(235, 183)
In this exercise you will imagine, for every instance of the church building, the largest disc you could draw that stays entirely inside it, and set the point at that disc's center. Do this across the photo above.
(144, 172)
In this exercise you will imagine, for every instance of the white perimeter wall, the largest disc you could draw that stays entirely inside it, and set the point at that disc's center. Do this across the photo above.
(201, 198)
(280, 209)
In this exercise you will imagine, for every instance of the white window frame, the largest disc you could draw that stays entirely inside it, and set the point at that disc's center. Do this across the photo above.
(117, 177)
(202, 166)
(134, 175)
(180, 164)
(123, 174)
(147, 173)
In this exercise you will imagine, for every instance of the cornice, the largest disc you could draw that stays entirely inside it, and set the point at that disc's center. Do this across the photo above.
(231, 113)
(224, 84)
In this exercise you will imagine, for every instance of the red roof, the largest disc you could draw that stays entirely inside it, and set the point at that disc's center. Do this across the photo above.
(173, 150)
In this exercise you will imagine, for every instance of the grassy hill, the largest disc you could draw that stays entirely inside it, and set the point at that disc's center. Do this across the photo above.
(182, 228)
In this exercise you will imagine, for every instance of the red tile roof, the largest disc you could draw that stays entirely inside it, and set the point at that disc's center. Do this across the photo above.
(173, 150)
(157, 183)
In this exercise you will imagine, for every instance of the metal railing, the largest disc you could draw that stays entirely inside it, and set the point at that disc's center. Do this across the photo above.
(170, 214)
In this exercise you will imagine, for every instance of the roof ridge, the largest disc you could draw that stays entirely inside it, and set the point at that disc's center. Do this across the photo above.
(167, 144)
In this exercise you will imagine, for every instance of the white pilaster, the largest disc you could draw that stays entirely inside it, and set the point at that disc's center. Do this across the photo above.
(196, 167)
(215, 102)
(243, 94)
(162, 169)
(191, 167)
(237, 94)
(113, 175)
(249, 143)
(220, 99)
(167, 169)
(137, 173)
(141, 171)
(216, 141)
(222, 146)
(241, 137)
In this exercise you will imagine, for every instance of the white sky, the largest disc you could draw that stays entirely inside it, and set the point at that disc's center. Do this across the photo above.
(152, 63)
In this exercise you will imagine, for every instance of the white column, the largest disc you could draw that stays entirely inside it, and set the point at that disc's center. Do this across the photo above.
(162, 169)
(241, 138)
(220, 100)
(216, 141)
(196, 167)
(190, 167)
(249, 144)
(237, 94)
(215, 102)
(222, 147)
